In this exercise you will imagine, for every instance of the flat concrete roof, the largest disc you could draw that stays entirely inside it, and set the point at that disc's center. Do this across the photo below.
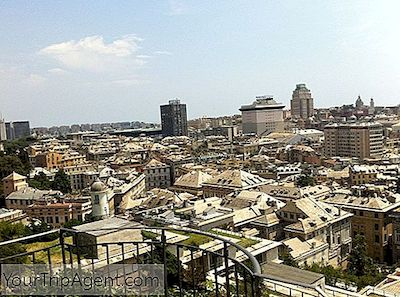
(106, 226)
(290, 274)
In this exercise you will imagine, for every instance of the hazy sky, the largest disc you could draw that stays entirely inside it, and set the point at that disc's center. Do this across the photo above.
(64, 62)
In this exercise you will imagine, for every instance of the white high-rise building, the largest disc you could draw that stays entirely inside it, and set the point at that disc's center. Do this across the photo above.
(3, 132)
(263, 116)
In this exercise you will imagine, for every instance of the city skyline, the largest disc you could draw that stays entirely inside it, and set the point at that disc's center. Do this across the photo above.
(103, 63)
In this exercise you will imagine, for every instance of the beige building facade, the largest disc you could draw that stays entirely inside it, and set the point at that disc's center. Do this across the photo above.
(359, 140)
(302, 103)
(263, 116)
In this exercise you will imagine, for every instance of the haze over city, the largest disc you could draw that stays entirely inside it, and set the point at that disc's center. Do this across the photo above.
(100, 61)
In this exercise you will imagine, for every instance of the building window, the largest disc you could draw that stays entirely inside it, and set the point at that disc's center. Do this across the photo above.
(361, 213)
(377, 239)
(376, 215)
(376, 227)
(96, 199)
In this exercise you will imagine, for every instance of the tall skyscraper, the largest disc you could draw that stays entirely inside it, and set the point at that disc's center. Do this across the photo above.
(15, 130)
(302, 104)
(174, 119)
(263, 116)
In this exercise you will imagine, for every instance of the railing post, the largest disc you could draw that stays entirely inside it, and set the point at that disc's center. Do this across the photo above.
(252, 285)
(256, 287)
(228, 293)
(179, 270)
(192, 270)
(123, 263)
(108, 265)
(164, 241)
(245, 281)
(215, 274)
(236, 280)
(62, 243)
(78, 250)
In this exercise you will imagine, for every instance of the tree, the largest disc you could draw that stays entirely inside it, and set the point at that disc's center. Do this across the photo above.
(17, 148)
(157, 257)
(361, 270)
(40, 181)
(72, 223)
(61, 182)
(8, 164)
(38, 227)
(305, 180)
(332, 274)
(10, 231)
(288, 259)
(14, 158)
(359, 262)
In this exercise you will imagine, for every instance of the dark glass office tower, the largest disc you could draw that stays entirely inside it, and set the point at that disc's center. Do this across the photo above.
(174, 119)
(16, 130)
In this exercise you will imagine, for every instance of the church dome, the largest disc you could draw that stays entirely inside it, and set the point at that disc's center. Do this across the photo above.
(98, 186)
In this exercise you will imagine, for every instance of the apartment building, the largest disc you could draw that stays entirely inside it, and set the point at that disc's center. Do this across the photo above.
(359, 140)
(27, 196)
(81, 176)
(56, 160)
(13, 182)
(158, 175)
(310, 219)
(57, 211)
(370, 218)
(362, 174)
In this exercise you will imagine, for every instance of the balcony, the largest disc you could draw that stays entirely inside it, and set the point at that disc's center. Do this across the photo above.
(188, 268)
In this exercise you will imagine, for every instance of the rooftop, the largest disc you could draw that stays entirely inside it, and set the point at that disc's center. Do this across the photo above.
(290, 274)
(97, 228)
(14, 176)
(236, 178)
(193, 179)
(374, 203)
(263, 102)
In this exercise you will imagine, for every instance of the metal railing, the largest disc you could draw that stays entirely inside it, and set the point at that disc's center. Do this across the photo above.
(189, 268)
